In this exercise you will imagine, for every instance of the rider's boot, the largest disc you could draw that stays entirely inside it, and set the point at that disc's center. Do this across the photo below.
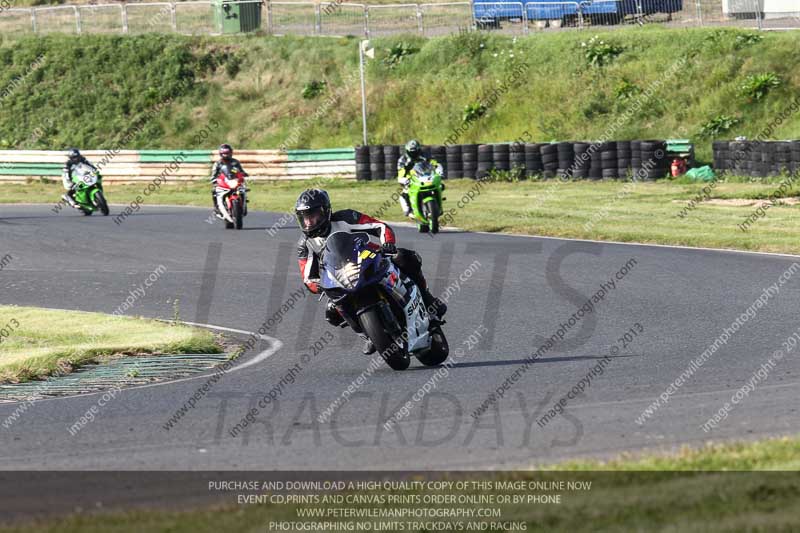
(69, 197)
(434, 305)
(369, 348)
(214, 203)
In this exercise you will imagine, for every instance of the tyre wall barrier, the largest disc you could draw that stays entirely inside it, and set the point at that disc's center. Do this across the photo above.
(647, 159)
(758, 159)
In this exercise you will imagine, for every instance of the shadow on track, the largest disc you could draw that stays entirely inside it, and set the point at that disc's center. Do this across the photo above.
(479, 364)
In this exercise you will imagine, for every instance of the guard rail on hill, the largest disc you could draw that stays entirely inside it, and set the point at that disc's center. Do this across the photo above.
(339, 19)
(181, 165)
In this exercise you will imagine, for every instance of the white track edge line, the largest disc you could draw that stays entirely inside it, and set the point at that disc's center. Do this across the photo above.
(259, 358)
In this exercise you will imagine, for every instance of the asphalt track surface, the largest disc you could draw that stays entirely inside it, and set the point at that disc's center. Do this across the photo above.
(523, 288)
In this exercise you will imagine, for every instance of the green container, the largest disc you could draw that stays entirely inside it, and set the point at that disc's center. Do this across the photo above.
(231, 17)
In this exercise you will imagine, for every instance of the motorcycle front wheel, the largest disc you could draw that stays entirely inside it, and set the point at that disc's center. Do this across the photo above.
(396, 357)
(432, 214)
(100, 202)
(236, 213)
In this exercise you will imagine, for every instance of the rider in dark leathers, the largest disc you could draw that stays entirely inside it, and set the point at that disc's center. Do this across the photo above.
(318, 221)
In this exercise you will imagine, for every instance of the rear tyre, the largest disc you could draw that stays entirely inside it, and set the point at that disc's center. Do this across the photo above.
(371, 323)
(100, 202)
(439, 350)
(236, 214)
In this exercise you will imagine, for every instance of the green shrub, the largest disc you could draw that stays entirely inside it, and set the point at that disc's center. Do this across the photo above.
(600, 53)
(717, 125)
(398, 52)
(625, 90)
(473, 111)
(757, 86)
(313, 89)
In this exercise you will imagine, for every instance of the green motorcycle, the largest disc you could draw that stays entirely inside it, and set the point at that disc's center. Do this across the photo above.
(89, 190)
(425, 195)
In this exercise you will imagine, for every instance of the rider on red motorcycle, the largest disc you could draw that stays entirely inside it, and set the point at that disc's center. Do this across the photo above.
(317, 221)
(226, 164)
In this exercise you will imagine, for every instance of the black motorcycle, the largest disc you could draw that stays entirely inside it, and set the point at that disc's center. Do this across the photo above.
(377, 299)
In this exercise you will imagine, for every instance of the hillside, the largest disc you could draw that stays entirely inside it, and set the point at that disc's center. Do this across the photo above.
(89, 91)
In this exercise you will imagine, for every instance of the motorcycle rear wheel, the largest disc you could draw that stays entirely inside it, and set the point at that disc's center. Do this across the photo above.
(371, 323)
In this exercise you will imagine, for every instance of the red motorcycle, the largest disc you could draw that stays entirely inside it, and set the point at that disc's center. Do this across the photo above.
(231, 198)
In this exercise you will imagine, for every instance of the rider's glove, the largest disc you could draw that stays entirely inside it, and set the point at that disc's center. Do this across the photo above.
(404, 181)
(388, 248)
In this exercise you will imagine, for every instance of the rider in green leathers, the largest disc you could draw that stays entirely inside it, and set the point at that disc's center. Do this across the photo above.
(412, 156)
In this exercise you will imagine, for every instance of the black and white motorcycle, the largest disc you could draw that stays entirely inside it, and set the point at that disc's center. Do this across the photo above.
(376, 299)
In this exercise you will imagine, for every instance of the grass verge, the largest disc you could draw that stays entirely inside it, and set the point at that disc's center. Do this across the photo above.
(40, 342)
(608, 210)
(644, 497)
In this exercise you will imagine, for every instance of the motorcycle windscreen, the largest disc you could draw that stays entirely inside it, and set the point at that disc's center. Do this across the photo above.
(424, 171)
(85, 175)
(341, 253)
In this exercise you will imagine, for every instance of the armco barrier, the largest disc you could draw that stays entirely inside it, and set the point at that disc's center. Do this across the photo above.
(193, 165)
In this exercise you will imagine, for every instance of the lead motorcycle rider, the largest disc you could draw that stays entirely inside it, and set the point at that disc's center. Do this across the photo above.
(317, 222)
(74, 158)
(227, 163)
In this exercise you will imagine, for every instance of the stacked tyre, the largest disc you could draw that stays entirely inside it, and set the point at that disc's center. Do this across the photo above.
(469, 160)
(582, 160)
(516, 158)
(391, 153)
(426, 152)
(721, 155)
(501, 153)
(636, 159)
(623, 158)
(566, 159)
(549, 160)
(783, 157)
(608, 159)
(439, 153)
(453, 163)
(653, 155)
(377, 168)
(795, 152)
(738, 158)
(362, 163)
(485, 160)
(533, 160)
(595, 161)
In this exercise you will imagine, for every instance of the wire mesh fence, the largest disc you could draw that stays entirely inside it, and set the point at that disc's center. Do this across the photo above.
(342, 19)
(335, 18)
(444, 19)
(61, 19)
(392, 19)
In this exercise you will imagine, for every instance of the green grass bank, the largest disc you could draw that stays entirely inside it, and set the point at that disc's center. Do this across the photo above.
(41, 342)
(87, 91)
